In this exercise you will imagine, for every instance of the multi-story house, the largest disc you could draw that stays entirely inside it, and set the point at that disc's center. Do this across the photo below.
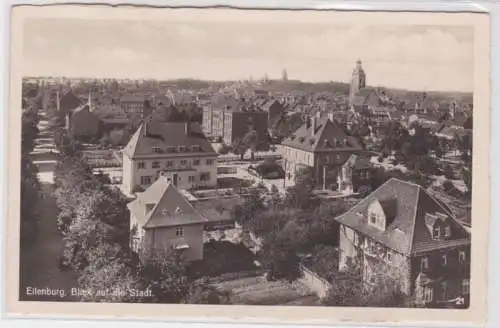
(321, 144)
(403, 236)
(133, 104)
(233, 121)
(179, 151)
(161, 219)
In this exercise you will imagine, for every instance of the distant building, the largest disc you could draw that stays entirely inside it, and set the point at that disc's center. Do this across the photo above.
(402, 233)
(233, 121)
(321, 144)
(285, 76)
(179, 151)
(82, 122)
(133, 104)
(162, 219)
(358, 81)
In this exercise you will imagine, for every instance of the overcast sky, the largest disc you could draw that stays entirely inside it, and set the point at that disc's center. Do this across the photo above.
(417, 58)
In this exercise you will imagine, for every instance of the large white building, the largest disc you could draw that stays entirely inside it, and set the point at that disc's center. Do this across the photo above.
(178, 151)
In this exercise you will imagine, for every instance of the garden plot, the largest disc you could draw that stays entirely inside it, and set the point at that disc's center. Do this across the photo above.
(259, 291)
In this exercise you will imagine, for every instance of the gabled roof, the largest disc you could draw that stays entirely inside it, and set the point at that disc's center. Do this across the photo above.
(407, 233)
(68, 101)
(326, 137)
(169, 208)
(166, 134)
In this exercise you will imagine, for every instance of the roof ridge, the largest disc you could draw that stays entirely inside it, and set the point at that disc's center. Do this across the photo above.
(171, 186)
(412, 231)
(351, 210)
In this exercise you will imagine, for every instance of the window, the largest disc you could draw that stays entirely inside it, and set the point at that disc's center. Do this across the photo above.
(156, 149)
(447, 231)
(141, 165)
(389, 256)
(205, 176)
(373, 218)
(444, 259)
(145, 180)
(428, 294)
(196, 162)
(444, 290)
(182, 149)
(179, 232)
(170, 163)
(210, 162)
(155, 165)
(195, 148)
(191, 178)
(424, 263)
(436, 232)
(465, 286)
(183, 162)
(461, 257)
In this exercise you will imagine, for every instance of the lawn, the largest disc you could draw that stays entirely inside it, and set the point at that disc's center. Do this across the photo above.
(259, 291)
(220, 257)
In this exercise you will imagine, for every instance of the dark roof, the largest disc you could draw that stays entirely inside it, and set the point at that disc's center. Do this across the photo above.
(358, 162)
(167, 134)
(68, 101)
(132, 98)
(169, 207)
(328, 135)
(406, 204)
(216, 209)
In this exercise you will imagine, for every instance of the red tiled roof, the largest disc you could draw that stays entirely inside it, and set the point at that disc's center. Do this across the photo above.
(407, 233)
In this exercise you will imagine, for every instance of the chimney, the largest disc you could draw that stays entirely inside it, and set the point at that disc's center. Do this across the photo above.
(68, 121)
(147, 127)
(313, 125)
(58, 101)
(90, 102)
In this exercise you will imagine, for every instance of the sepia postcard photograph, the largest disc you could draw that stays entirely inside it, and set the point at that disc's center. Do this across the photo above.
(259, 164)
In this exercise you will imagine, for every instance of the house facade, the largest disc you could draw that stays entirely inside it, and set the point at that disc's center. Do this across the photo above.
(161, 220)
(178, 151)
(231, 120)
(321, 144)
(402, 235)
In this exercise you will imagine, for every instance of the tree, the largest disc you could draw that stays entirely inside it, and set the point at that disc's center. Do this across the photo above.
(448, 171)
(250, 140)
(252, 206)
(199, 294)
(164, 272)
(239, 148)
(301, 194)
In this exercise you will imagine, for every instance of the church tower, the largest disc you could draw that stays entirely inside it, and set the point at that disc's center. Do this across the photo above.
(358, 81)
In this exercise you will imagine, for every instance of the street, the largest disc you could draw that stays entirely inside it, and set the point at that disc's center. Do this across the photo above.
(39, 264)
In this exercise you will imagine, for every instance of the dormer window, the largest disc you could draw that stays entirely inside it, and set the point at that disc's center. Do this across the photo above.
(447, 231)
(373, 218)
(436, 232)
(164, 211)
(195, 148)
(424, 263)
(182, 149)
(461, 257)
(156, 149)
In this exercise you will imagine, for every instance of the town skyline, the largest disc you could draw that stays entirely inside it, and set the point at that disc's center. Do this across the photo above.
(393, 57)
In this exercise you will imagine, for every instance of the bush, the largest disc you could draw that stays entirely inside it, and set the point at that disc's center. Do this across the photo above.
(448, 172)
